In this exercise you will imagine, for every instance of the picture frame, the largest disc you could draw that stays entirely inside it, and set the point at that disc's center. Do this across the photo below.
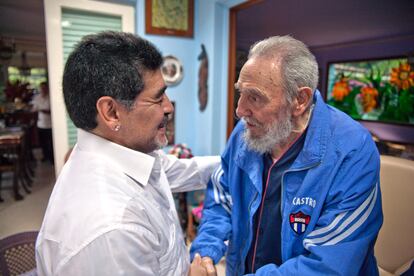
(376, 90)
(173, 18)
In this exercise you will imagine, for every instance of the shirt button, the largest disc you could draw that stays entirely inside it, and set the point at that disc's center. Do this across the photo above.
(261, 231)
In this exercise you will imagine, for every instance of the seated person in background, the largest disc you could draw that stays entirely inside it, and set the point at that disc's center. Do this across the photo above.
(298, 191)
(111, 211)
(41, 104)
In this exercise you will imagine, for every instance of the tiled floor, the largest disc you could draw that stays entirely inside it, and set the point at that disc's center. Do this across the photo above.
(26, 214)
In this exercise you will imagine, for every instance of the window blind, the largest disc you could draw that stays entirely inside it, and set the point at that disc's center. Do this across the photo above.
(75, 25)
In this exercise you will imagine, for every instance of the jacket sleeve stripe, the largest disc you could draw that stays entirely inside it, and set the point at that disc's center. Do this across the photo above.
(213, 180)
(354, 227)
(339, 233)
(329, 227)
(220, 196)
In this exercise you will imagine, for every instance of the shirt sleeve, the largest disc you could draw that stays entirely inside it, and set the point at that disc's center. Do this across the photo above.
(215, 225)
(127, 251)
(188, 174)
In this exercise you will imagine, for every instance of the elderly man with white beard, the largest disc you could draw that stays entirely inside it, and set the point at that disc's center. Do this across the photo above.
(298, 191)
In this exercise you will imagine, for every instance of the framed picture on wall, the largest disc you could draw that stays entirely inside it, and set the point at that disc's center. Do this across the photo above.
(175, 18)
(379, 90)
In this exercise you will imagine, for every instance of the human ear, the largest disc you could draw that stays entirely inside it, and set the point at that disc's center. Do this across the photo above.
(108, 112)
(302, 101)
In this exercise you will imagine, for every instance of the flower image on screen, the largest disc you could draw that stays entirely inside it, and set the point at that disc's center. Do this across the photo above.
(373, 90)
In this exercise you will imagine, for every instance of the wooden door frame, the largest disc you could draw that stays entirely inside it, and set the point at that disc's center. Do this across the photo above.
(232, 60)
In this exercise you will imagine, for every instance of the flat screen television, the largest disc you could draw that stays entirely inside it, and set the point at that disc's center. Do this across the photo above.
(380, 90)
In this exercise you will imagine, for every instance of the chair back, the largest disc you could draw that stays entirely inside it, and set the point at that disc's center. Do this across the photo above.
(17, 253)
(395, 243)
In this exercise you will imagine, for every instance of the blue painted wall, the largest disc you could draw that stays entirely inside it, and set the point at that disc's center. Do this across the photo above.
(183, 94)
(204, 132)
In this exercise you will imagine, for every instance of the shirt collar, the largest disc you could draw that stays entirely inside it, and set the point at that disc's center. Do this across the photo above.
(135, 164)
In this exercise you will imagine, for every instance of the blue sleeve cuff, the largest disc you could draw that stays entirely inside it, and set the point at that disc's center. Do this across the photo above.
(208, 252)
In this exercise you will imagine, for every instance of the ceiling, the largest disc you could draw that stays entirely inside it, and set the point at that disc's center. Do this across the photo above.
(325, 22)
(317, 22)
(22, 24)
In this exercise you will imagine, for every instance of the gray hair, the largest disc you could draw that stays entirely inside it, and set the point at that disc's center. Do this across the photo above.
(298, 66)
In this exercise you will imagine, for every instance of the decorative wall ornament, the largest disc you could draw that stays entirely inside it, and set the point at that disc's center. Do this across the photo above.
(203, 78)
(172, 70)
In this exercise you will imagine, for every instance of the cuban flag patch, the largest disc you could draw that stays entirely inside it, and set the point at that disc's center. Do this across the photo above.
(299, 221)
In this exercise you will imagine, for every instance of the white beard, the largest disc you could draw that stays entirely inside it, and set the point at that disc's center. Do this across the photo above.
(276, 133)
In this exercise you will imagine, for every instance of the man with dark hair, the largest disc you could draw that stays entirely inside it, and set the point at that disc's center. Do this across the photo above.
(298, 191)
(111, 211)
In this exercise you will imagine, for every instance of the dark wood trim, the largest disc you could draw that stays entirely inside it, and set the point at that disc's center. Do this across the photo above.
(232, 60)
(246, 5)
(231, 72)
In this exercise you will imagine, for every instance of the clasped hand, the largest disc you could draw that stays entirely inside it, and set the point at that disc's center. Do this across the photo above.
(202, 266)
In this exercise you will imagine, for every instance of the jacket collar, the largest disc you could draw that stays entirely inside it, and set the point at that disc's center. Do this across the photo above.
(317, 135)
(133, 163)
(251, 162)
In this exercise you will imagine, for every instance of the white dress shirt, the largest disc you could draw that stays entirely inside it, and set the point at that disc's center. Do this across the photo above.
(111, 212)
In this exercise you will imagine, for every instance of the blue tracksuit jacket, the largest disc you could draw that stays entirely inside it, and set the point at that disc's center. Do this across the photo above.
(331, 202)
